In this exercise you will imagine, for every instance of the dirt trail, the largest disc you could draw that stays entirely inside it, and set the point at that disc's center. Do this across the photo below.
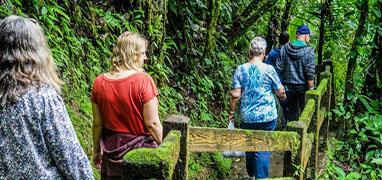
(276, 168)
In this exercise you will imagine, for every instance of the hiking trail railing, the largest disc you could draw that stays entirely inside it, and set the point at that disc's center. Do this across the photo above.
(300, 141)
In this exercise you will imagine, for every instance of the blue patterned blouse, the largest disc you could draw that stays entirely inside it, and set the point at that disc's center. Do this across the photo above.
(37, 139)
(257, 82)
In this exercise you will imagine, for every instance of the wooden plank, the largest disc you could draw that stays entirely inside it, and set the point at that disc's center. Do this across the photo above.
(321, 118)
(178, 122)
(316, 140)
(322, 87)
(219, 139)
(308, 149)
(304, 156)
(307, 113)
(300, 128)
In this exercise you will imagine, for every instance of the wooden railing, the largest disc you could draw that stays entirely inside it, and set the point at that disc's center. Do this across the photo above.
(300, 141)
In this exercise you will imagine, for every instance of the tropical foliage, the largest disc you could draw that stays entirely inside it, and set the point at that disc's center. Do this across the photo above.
(194, 47)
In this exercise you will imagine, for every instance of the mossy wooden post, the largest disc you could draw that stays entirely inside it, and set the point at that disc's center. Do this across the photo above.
(301, 157)
(329, 64)
(152, 163)
(317, 121)
(313, 94)
(178, 122)
(291, 162)
(287, 163)
(327, 101)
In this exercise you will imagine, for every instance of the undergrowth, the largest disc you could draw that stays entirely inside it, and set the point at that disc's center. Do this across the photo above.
(357, 152)
(81, 35)
(209, 166)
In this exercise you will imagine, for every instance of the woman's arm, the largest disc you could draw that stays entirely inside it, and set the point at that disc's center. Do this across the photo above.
(235, 96)
(61, 140)
(151, 119)
(277, 87)
(97, 129)
(281, 93)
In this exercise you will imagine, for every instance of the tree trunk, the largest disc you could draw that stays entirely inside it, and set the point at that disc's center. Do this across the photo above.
(285, 18)
(323, 16)
(237, 23)
(241, 26)
(373, 81)
(163, 5)
(214, 8)
(353, 58)
(345, 125)
(154, 14)
(272, 30)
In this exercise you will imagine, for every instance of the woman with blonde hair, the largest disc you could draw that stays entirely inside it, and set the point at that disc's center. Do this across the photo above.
(125, 106)
(37, 139)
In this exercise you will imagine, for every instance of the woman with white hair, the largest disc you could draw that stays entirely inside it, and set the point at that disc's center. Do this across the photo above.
(37, 139)
(254, 83)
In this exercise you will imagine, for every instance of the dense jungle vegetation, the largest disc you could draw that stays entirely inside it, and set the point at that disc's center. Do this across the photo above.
(195, 45)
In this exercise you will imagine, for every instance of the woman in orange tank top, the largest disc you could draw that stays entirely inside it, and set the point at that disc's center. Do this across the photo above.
(125, 106)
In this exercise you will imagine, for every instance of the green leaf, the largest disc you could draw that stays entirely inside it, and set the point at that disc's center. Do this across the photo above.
(347, 115)
(353, 175)
(366, 102)
(377, 161)
(369, 155)
(340, 172)
(44, 11)
(61, 12)
(360, 50)
(377, 12)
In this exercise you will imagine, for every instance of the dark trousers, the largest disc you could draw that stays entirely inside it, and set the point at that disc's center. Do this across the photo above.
(295, 101)
(282, 110)
(257, 163)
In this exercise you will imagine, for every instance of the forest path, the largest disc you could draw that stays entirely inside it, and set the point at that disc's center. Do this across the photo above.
(276, 167)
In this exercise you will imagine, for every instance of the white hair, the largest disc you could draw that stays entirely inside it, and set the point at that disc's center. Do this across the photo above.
(258, 46)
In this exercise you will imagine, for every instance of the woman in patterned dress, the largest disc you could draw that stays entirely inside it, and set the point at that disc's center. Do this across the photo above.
(254, 83)
(37, 139)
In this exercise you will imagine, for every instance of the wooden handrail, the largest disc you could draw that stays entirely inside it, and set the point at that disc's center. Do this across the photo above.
(307, 114)
(300, 142)
(218, 139)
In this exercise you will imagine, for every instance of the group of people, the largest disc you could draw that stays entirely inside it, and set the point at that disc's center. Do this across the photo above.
(38, 141)
(288, 72)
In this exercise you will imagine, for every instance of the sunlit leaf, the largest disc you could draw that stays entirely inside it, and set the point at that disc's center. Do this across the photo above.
(377, 161)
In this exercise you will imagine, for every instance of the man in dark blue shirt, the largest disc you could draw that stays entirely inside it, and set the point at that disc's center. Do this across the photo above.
(271, 60)
(275, 52)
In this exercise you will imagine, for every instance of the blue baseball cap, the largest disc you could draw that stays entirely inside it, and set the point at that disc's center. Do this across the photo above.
(303, 29)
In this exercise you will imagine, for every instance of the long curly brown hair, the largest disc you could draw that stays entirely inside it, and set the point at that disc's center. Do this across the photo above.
(25, 59)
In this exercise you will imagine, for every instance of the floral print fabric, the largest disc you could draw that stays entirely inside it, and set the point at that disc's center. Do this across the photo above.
(37, 139)
(257, 103)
